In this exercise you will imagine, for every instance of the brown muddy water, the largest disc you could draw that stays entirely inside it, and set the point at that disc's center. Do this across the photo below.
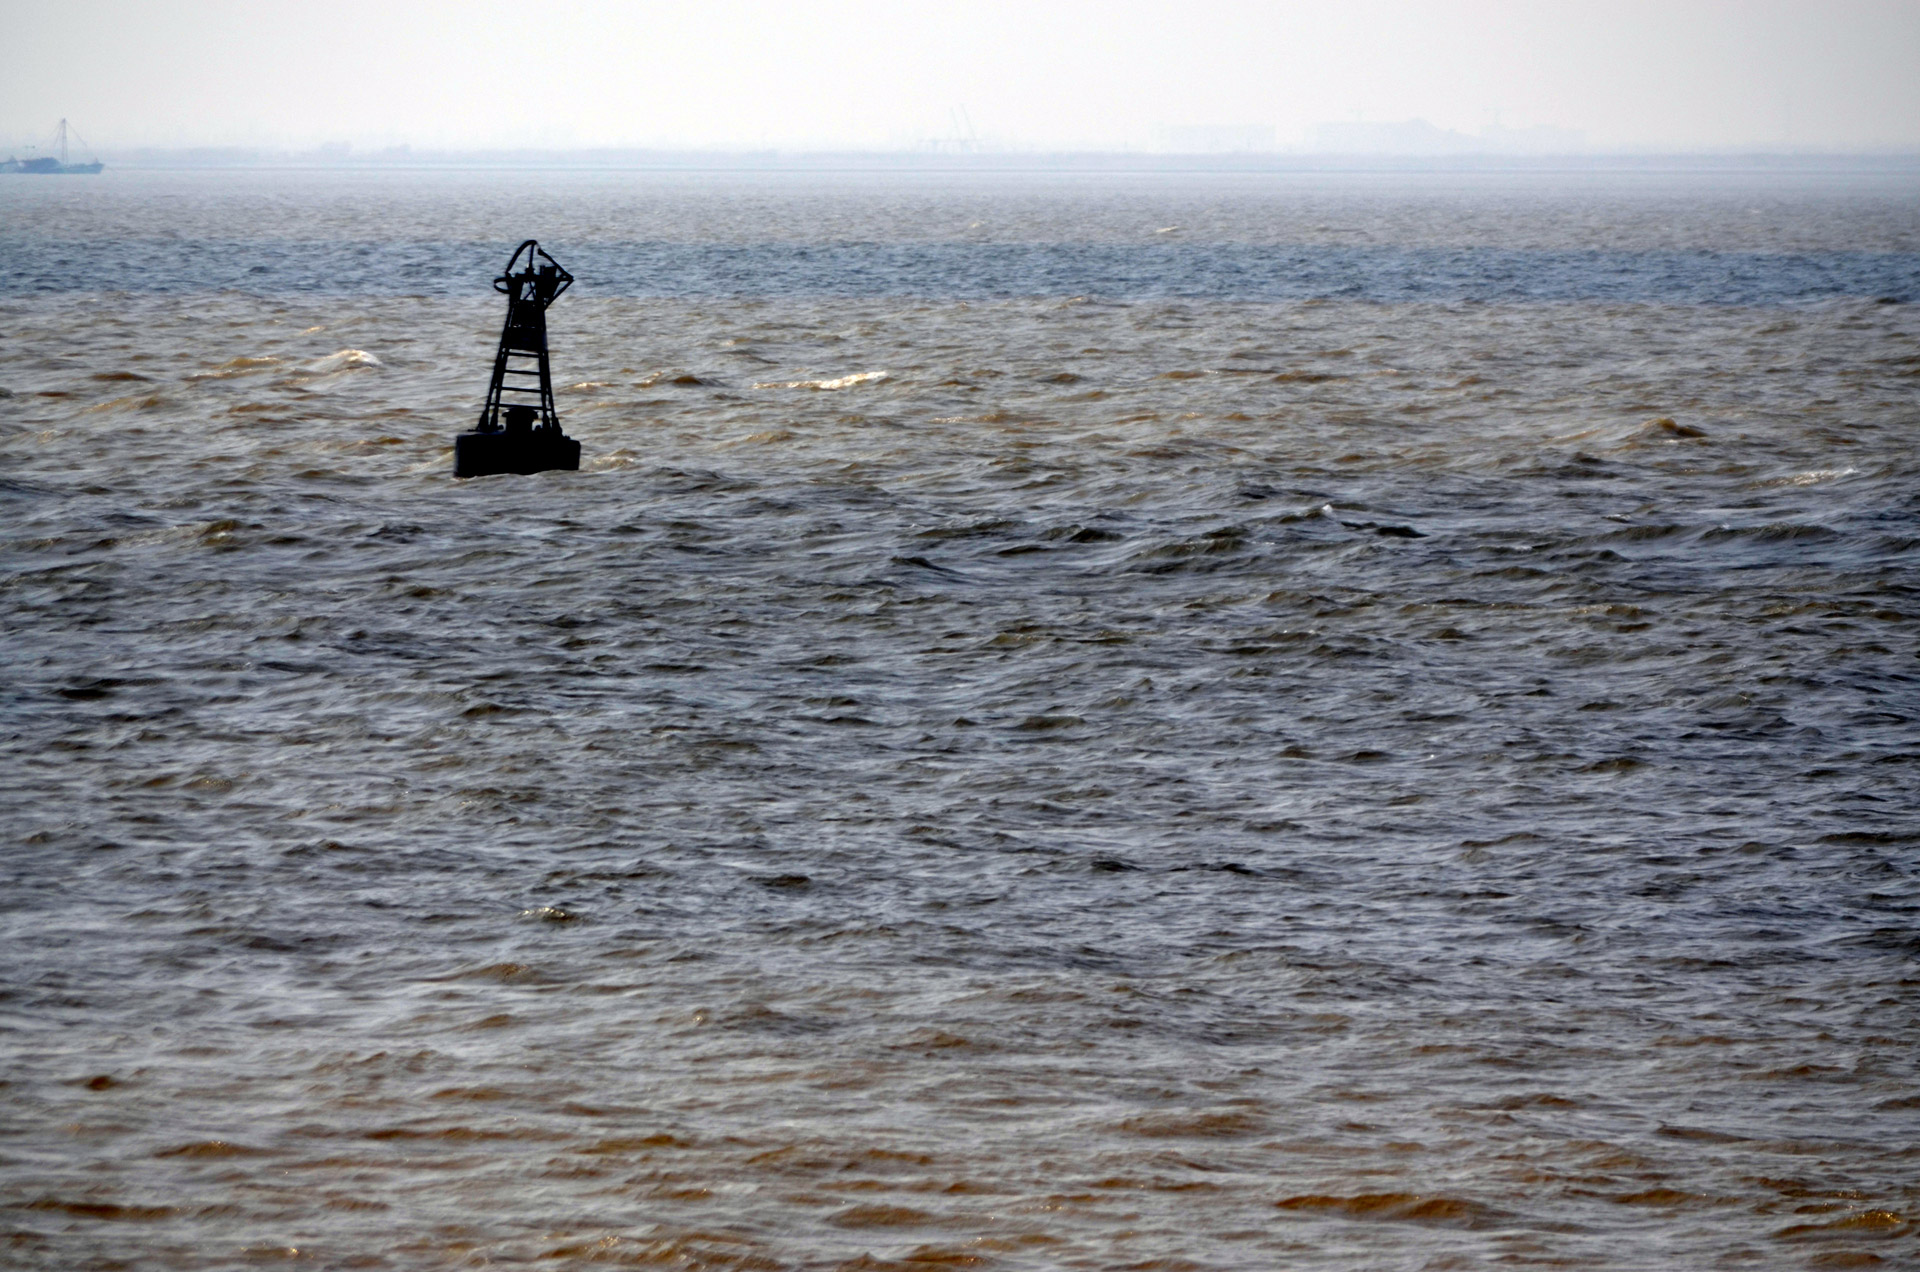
(1323, 723)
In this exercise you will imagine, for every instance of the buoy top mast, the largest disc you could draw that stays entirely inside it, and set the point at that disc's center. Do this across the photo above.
(541, 272)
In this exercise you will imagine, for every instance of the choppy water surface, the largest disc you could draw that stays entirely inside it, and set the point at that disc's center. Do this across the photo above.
(1143, 773)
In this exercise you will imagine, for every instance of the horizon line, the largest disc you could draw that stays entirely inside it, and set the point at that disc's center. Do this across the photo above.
(611, 157)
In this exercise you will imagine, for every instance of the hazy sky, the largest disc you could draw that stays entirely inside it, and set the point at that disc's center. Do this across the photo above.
(1671, 74)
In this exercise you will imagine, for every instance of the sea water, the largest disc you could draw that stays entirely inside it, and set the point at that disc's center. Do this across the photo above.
(1067, 721)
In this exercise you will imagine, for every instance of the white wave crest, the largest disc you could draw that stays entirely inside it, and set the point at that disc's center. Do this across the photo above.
(844, 382)
(344, 360)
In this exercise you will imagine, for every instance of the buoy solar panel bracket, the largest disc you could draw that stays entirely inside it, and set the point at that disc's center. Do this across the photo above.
(519, 431)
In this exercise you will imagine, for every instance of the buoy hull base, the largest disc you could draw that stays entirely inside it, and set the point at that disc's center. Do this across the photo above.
(535, 451)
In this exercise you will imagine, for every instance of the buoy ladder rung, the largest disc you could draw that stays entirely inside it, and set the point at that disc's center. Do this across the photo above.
(525, 340)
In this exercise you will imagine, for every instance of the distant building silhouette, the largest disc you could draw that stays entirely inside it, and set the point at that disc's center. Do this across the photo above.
(1418, 137)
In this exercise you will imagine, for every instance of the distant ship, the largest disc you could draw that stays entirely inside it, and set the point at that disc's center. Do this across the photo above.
(47, 163)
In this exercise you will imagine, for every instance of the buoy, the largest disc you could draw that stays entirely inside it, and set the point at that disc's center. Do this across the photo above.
(521, 436)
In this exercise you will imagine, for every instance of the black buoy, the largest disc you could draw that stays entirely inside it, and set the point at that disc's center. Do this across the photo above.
(521, 436)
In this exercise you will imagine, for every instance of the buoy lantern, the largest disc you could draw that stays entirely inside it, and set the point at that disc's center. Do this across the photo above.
(519, 432)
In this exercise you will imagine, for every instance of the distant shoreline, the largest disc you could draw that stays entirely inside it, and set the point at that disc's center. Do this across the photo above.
(1092, 162)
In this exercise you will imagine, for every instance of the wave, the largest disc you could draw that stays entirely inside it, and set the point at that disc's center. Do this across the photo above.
(344, 360)
(1162, 270)
(843, 382)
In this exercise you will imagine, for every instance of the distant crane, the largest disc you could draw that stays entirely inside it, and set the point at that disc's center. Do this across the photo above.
(49, 164)
(965, 141)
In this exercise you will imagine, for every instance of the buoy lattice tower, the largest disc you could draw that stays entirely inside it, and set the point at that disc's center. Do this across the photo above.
(519, 430)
